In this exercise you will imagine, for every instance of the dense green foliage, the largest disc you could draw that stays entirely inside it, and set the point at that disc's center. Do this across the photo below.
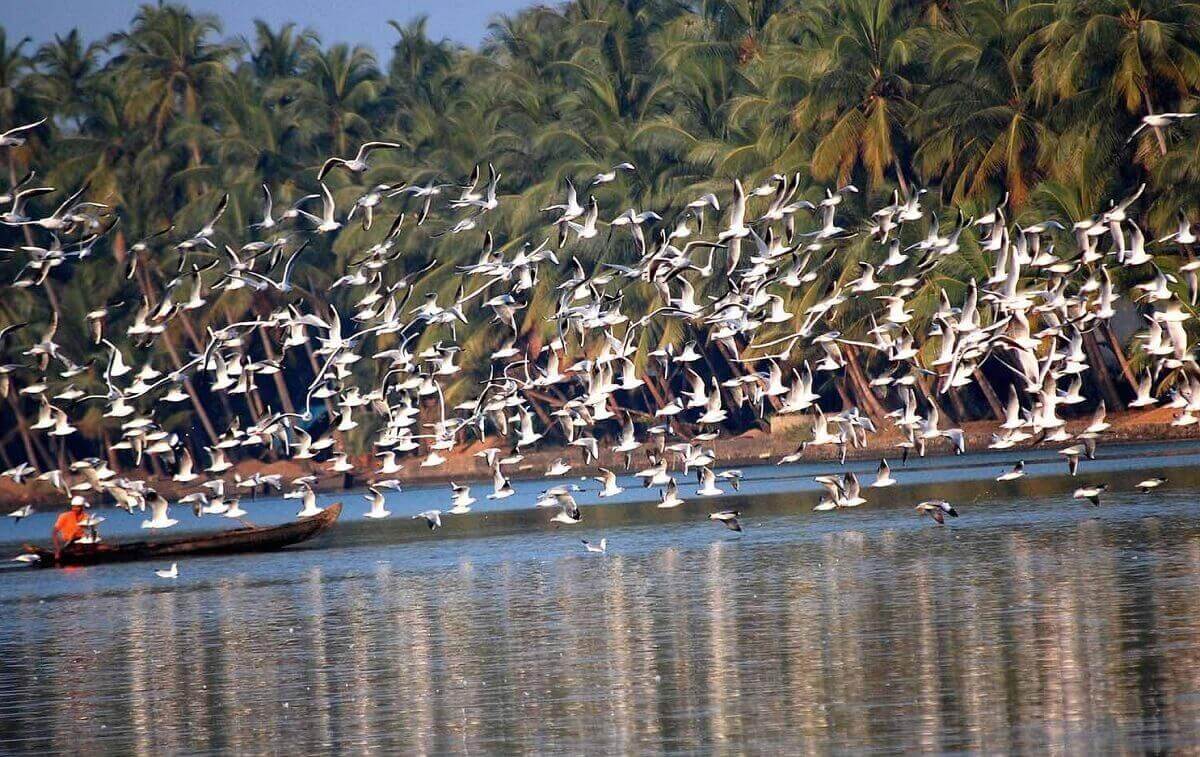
(972, 99)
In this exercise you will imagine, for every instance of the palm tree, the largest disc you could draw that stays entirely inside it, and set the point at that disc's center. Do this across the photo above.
(865, 94)
(419, 65)
(974, 98)
(980, 128)
(1139, 56)
(742, 23)
(67, 70)
(337, 88)
(17, 104)
(278, 54)
(170, 60)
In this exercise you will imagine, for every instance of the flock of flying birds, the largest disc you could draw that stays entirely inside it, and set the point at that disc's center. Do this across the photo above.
(1031, 315)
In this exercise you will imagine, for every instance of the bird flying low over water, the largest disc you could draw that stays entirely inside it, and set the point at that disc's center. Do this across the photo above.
(883, 476)
(568, 513)
(727, 518)
(158, 510)
(433, 518)
(377, 501)
(1018, 471)
(1090, 492)
(461, 500)
(937, 509)
(1150, 484)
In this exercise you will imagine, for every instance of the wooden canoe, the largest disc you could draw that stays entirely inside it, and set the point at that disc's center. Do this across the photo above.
(232, 542)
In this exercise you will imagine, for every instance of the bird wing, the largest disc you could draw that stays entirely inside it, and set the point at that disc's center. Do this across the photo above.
(328, 166)
(369, 146)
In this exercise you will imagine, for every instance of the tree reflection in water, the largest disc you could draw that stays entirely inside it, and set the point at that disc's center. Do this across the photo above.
(1030, 625)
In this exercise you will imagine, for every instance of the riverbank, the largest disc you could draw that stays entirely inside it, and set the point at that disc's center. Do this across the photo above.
(754, 447)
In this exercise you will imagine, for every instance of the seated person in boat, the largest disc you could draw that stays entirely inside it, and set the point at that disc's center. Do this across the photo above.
(69, 526)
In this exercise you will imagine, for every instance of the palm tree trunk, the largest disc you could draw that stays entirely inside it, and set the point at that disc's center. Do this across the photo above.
(900, 176)
(23, 429)
(281, 387)
(114, 460)
(653, 391)
(4, 458)
(193, 335)
(1115, 345)
(961, 414)
(1158, 135)
(1103, 375)
(52, 298)
(197, 405)
(152, 464)
(191, 106)
(148, 291)
(61, 453)
(989, 394)
(930, 395)
(544, 417)
(839, 384)
(861, 386)
(35, 451)
(312, 359)
(665, 388)
(316, 368)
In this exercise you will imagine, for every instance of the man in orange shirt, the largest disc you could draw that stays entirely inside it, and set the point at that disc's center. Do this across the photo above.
(67, 528)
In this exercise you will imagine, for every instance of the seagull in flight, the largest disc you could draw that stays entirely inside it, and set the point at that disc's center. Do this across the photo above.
(433, 518)
(727, 518)
(1157, 122)
(883, 476)
(358, 163)
(285, 283)
(937, 509)
(610, 175)
(377, 504)
(1090, 492)
(1017, 471)
(158, 513)
(14, 137)
(1150, 484)
(461, 500)
(569, 509)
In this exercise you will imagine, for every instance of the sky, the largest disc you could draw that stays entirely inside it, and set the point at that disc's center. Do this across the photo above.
(355, 21)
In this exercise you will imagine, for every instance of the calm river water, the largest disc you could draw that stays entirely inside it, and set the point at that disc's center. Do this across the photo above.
(1033, 623)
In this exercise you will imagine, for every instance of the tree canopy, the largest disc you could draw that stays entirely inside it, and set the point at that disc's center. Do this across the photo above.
(974, 100)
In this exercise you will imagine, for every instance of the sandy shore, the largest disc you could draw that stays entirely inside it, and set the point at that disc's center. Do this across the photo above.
(751, 448)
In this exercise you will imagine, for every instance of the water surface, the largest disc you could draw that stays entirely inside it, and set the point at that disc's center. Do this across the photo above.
(1032, 623)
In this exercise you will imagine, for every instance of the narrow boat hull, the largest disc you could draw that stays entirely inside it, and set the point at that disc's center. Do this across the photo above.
(237, 541)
